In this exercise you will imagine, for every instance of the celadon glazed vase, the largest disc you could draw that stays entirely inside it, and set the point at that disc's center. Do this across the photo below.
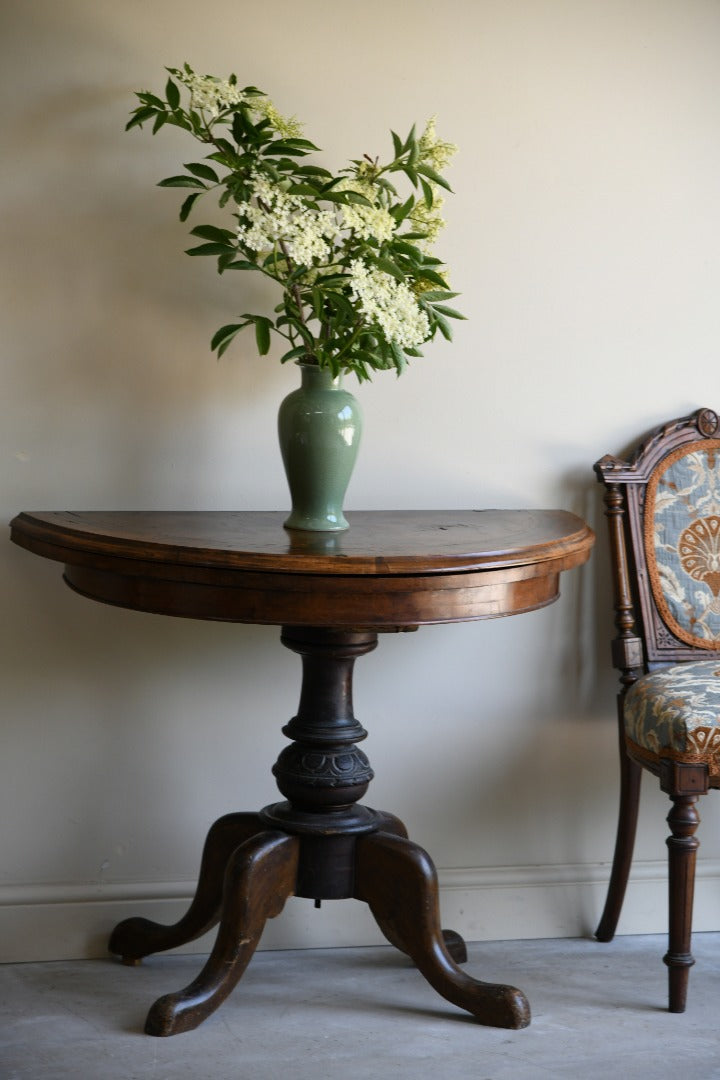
(319, 427)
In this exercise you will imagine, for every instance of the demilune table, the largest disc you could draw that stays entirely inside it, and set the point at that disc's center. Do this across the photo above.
(331, 593)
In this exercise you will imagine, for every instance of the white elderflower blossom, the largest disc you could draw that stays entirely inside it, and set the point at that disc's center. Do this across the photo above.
(390, 304)
(274, 217)
(287, 126)
(309, 235)
(427, 219)
(210, 94)
(433, 150)
(367, 222)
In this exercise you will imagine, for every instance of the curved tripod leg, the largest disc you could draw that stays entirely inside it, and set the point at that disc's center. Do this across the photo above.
(630, 779)
(398, 880)
(137, 937)
(260, 876)
(454, 943)
(390, 824)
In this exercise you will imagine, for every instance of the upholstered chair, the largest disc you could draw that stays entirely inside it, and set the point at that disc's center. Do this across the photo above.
(663, 511)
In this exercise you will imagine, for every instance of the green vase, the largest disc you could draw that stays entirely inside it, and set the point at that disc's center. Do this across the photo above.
(319, 427)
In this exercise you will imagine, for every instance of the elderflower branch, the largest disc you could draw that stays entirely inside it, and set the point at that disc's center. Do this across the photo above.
(360, 287)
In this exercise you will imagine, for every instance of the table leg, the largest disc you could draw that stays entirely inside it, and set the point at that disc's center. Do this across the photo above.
(259, 878)
(397, 879)
(454, 943)
(137, 937)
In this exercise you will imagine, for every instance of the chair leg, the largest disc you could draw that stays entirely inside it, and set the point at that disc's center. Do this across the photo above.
(630, 779)
(683, 820)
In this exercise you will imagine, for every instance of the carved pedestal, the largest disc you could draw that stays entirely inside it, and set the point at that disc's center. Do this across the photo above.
(322, 843)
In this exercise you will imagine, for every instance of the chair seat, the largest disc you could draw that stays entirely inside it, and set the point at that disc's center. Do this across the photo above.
(675, 712)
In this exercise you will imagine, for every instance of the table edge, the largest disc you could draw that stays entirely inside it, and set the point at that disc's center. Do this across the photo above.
(74, 546)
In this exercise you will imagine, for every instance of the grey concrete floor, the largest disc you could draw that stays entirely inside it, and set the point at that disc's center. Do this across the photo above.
(598, 1011)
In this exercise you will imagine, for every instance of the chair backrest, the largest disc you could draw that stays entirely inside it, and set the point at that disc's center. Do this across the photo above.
(663, 510)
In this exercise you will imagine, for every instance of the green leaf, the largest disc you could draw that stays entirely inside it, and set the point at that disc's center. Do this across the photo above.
(332, 279)
(224, 147)
(429, 275)
(299, 350)
(140, 116)
(242, 264)
(303, 144)
(207, 249)
(410, 141)
(262, 334)
(150, 99)
(427, 192)
(188, 205)
(398, 357)
(341, 304)
(299, 328)
(222, 337)
(311, 170)
(334, 196)
(443, 325)
(304, 189)
(390, 268)
(172, 94)
(383, 182)
(284, 149)
(432, 174)
(355, 197)
(450, 312)
(203, 171)
(160, 120)
(438, 294)
(397, 144)
(400, 212)
(317, 302)
(182, 181)
(211, 232)
(410, 250)
(225, 260)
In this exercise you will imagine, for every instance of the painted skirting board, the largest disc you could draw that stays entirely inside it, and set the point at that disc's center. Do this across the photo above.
(60, 922)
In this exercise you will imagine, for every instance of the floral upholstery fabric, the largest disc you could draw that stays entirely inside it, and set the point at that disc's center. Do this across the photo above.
(682, 542)
(675, 712)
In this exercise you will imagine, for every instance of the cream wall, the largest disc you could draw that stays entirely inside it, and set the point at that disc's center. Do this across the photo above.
(584, 236)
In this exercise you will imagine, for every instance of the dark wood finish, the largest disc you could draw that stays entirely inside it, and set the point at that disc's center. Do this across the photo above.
(331, 595)
(630, 784)
(398, 881)
(389, 570)
(259, 878)
(682, 843)
(644, 643)
(135, 938)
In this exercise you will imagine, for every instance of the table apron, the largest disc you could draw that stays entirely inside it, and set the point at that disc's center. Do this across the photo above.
(392, 602)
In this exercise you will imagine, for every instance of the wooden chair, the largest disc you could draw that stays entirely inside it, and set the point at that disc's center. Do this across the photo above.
(663, 511)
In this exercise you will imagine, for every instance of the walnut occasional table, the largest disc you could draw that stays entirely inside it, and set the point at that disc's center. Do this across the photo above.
(331, 593)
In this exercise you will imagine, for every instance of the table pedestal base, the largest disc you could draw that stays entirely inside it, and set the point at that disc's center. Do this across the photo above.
(248, 872)
(323, 844)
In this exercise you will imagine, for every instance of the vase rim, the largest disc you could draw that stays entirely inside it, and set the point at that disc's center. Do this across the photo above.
(313, 367)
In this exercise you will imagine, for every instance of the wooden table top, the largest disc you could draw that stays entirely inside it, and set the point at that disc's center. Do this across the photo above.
(389, 569)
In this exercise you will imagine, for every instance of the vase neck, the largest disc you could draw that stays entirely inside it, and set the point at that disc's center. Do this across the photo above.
(317, 378)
